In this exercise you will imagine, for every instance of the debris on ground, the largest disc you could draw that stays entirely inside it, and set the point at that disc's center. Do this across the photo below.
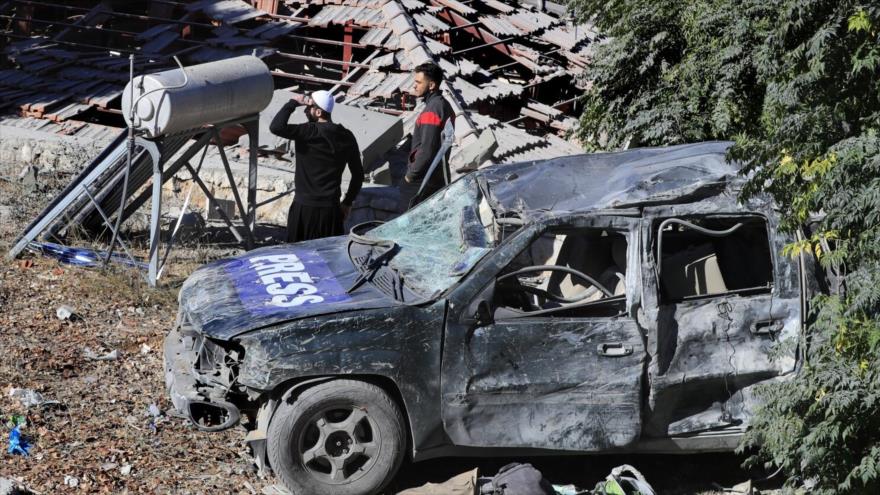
(17, 444)
(94, 356)
(65, 312)
(463, 484)
(30, 398)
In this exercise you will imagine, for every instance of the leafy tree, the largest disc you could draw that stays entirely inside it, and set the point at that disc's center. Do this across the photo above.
(796, 84)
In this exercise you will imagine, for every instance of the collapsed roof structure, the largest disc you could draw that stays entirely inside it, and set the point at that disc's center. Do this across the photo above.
(511, 67)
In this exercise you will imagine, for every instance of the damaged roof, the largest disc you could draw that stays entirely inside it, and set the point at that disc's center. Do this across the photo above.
(588, 182)
(499, 56)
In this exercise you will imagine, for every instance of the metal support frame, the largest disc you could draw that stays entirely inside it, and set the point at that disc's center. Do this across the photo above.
(348, 37)
(247, 213)
(151, 163)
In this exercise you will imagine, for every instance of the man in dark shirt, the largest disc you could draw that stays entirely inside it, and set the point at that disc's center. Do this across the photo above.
(323, 149)
(426, 139)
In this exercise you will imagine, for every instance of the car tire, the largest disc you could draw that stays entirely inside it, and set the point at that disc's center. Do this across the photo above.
(342, 437)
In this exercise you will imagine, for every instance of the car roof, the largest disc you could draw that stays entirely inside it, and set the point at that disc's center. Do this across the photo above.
(601, 181)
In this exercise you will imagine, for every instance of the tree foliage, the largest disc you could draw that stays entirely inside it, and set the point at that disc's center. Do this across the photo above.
(796, 85)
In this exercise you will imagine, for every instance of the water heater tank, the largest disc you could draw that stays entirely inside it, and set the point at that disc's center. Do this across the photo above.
(214, 92)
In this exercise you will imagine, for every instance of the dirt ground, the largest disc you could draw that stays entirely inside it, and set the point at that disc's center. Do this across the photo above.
(98, 435)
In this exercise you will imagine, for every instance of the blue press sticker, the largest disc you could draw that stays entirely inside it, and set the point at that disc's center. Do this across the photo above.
(284, 282)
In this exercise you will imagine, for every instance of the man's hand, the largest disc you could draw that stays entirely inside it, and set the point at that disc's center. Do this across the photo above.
(346, 211)
(406, 179)
(301, 99)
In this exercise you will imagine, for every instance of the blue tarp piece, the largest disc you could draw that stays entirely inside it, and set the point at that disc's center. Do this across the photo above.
(81, 256)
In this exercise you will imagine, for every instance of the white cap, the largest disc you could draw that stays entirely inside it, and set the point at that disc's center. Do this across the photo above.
(323, 100)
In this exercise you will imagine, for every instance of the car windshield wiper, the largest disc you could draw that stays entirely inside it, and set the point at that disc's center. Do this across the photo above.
(371, 263)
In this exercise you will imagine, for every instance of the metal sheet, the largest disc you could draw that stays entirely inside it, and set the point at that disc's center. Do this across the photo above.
(367, 83)
(375, 36)
(500, 26)
(529, 22)
(230, 11)
(569, 36)
(428, 23)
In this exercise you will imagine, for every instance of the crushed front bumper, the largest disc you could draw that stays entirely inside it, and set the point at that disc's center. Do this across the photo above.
(181, 355)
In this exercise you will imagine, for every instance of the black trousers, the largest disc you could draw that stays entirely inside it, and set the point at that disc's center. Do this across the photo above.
(313, 222)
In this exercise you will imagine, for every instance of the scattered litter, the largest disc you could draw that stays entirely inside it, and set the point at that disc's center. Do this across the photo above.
(145, 349)
(17, 444)
(81, 256)
(624, 480)
(107, 466)
(110, 356)
(463, 484)
(10, 486)
(16, 420)
(516, 479)
(30, 398)
(125, 470)
(275, 490)
(154, 410)
(71, 481)
(570, 490)
(65, 312)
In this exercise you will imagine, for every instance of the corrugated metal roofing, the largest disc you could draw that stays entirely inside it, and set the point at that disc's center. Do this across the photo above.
(436, 47)
(499, 89)
(393, 83)
(367, 83)
(229, 11)
(413, 5)
(469, 93)
(500, 26)
(569, 36)
(500, 6)
(427, 23)
(457, 6)
(512, 140)
(375, 36)
(529, 22)
(97, 79)
(336, 14)
(386, 60)
(555, 148)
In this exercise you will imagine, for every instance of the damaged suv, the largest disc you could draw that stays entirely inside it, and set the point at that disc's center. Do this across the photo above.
(622, 302)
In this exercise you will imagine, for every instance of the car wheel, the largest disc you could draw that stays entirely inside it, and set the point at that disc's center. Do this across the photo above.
(342, 437)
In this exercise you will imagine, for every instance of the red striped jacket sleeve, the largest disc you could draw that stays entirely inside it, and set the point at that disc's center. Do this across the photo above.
(428, 118)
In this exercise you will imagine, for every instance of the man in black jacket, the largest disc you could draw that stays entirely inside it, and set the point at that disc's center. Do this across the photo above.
(426, 139)
(323, 149)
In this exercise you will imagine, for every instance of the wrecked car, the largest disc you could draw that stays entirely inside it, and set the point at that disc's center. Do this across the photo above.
(618, 302)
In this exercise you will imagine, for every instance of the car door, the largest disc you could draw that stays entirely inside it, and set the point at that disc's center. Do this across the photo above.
(723, 311)
(561, 377)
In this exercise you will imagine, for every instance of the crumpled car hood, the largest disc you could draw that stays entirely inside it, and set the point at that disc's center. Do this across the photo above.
(271, 285)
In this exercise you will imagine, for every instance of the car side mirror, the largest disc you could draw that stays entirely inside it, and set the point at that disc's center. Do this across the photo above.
(483, 315)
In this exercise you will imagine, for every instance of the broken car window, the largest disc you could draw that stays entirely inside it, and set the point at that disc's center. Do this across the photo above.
(573, 273)
(709, 256)
(439, 240)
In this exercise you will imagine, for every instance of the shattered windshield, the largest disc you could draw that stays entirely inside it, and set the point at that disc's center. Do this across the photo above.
(441, 239)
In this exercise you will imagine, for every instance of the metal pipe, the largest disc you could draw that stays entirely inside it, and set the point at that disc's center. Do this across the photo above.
(116, 14)
(702, 230)
(486, 45)
(307, 58)
(86, 45)
(303, 77)
(129, 159)
(328, 42)
(67, 24)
